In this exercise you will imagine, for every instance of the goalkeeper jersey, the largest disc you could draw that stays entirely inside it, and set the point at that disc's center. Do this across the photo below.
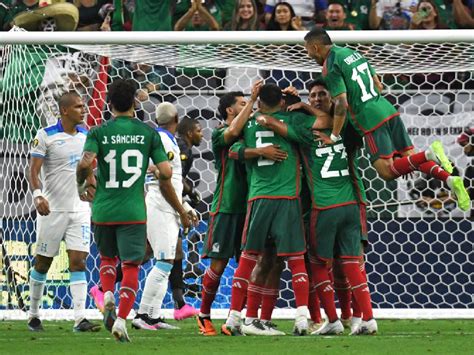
(123, 147)
(347, 71)
(230, 195)
(326, 167)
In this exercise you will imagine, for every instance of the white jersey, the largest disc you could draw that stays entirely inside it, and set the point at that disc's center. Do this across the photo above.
(174, 156)
(60, 152)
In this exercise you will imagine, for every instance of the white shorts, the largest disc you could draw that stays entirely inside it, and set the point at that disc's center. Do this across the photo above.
(162, 231)
(72, 227)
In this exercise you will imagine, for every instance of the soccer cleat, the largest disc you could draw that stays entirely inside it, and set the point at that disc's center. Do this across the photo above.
(231, 330)
(185, 312)
(140, 323)
(438, 151)
(313, 326)
(301, 325)
(334, 328)
(205, 326)
(34, 324)
(272, 328)
(98, 297)
(86, 326)
(346, 322)
(109, 310)
(464, 202)
(355, 323)
(366, 328)
(119, 331)
(256, 327)
(160, 323)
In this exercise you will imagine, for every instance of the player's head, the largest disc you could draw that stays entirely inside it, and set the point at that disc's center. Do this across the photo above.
(290, 99)
(317, 43)
(122, 97)
(71, 107)
(231, 104)
(190, 130)
(335, 14)
(270, 97)
(167, 115)
(318, 95)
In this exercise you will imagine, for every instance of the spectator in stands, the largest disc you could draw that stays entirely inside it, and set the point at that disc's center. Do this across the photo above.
(198, 18)
(153, 15)
(15, 9)
(426, 17)
(89, 18)
(310, 12)
(391, 14)
(466, 140)
(463, 14)
(4, 9)
(336, 18)
(283, 18)
(357, 12)
(245, 17)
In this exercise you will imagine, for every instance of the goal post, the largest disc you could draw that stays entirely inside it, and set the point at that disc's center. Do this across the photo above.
(419, 261)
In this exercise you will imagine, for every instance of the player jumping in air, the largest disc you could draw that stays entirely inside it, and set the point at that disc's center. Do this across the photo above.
(355, 88)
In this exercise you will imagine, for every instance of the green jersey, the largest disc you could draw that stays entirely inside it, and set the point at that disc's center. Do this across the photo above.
(230, 195)
(270, 179)
(152, 15)
(326, 167)
(347, 71)
(124, 147)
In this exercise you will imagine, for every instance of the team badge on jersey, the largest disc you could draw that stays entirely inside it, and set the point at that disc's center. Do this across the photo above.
(35, 142)
(184, 157)
(216, 247)
(170, 155)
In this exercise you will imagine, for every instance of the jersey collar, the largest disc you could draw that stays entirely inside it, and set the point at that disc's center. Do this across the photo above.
(168, 133)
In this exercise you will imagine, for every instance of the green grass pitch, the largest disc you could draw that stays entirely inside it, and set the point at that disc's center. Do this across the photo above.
(395, 337)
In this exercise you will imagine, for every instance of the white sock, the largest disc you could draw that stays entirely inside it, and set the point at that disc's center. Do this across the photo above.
(234, 319)
(78, 287)
(302, 311)
(37, 281)
(449, 182)
(249, 320)
(155, 289)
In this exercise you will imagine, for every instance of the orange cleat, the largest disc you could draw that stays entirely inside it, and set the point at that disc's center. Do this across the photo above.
(206, 327)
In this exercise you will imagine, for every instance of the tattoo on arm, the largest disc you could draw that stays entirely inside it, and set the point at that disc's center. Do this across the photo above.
(340, 108)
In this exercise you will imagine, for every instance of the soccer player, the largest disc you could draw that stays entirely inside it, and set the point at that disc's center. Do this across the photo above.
(162, 225)
(337, 222)
(123, 147)
(273, 213)
(355, 88)
(62, 214)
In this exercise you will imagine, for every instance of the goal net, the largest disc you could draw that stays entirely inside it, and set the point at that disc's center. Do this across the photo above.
(419, 260)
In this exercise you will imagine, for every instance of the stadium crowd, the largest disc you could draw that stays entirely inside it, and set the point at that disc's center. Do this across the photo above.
(238, 15)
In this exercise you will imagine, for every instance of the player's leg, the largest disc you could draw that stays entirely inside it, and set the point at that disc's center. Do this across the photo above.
(50, 231)
(77, 238)
(342, 288)
(287, 229)
(271, 293)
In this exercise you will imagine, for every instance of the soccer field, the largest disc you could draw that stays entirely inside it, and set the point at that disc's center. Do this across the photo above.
(395, 337)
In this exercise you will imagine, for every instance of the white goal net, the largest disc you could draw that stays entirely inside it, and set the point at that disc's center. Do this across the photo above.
(420, 259)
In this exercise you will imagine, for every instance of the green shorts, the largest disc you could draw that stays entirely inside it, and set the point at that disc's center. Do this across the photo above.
(388, 140)
(224, 236)
(337, 232)
(274, 220)
(127, 241)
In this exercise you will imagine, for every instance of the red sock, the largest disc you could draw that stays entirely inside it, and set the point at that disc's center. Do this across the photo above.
(319, 270)
(356, 310)
(408, 164)
(107, 273)
(344, 295)
(430, 168)
(360, 289)
(240, 281)
(269, 300)
(254, 299)
(210, 284)
(128, 289)
(299, 280)
(313, 304)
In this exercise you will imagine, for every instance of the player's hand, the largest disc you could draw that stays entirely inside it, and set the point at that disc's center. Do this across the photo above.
(195, 197)
(290, 90)
(185, 221)
(192, 214)
(42, 206)
(264, 120)
(256, 90)
(296, 106)
(322, 138)
(273, 152)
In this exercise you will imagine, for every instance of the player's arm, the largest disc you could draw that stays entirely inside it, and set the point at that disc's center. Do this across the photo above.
(378, 83)
(233, 131)
(85, 176)
(239, 151)
(41, 203)
(273, 124)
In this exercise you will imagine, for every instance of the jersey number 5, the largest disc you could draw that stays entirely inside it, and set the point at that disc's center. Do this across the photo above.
(259, 144)
(135, 169)
(364, 69)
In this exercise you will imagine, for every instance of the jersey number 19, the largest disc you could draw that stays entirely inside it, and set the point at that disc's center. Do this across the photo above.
(127, 168)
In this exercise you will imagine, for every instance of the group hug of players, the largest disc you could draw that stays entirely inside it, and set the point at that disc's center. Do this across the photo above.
(287, 189)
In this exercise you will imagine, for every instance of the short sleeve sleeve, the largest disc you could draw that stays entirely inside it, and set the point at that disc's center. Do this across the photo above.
(237, 151)
(218, 138)
(299, 130)
(92, 141)
(38, 147)
(158, 153)
(334, 79)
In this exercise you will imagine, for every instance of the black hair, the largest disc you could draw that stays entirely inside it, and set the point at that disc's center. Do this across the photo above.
(122, 94)
(318, 34)
(227, 101)
(65, 100)
(275, 26)
(186, 125)
(316, 82)
(337, 2)
(270, 94)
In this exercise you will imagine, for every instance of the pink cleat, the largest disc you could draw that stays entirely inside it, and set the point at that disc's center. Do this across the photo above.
(185, 312)
(98, 297)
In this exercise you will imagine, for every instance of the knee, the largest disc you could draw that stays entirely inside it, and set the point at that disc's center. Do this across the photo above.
(219, 265)
(77, 263)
